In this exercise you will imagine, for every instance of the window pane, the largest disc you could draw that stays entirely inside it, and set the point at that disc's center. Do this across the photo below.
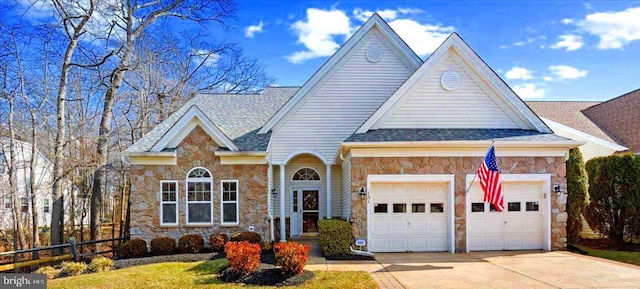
(191, 196)
(418, 208)
(169, 213)
(191, 186)
(206, 187)
(492, 208)
(206, 197)
(229, 213)
(24, 206)
(7, 202)
(532, 206)
(399, 208)
(477, 207)
(513, 206)
(437, 208)
(199, 213)
(380, 208)
(295, 201)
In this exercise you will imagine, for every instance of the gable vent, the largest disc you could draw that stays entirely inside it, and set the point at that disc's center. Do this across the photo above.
(374, 53)
(450, 80)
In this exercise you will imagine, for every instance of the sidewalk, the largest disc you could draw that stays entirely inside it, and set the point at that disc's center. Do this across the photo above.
(318, 263)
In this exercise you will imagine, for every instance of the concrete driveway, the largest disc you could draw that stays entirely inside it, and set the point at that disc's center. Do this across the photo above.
(524, 269)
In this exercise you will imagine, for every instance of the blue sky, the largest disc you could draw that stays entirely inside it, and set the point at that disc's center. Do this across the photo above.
(545, 50)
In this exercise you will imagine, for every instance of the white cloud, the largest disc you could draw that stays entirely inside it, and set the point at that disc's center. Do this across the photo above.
(563, 72)
(251, 30)
(529, 40)
(567, 21)
(547, 78)
(207, 57)
(529, 90)
(422, 38)
(569, 42)
(518, 73)
(317, 33)
(387, 14)
(615, 29)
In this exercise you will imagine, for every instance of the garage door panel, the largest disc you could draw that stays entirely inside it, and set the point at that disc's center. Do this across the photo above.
(410, 227)
(517, 228)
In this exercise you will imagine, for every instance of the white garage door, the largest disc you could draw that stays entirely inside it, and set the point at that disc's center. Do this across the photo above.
(518, 227)
(408, 217)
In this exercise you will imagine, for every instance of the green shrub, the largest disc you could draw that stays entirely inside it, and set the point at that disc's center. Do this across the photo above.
(133, 248)
(162, 245)
(577, 194)
(335, 237)
(72, 269)
(217, 241)
(291, 257)
(614, 193)
(251, 237)
(100, 264)
(51, 272)
(191, 243)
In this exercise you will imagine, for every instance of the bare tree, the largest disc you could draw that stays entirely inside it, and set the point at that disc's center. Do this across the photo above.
(74, 18)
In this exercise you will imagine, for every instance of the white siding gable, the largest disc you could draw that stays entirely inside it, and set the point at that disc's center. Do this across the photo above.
(428, 105)
(342, 100)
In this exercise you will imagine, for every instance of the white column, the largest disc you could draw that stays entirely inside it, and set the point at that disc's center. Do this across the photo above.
(328, 176)
(283, 223)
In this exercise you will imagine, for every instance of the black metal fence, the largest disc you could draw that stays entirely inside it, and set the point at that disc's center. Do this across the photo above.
(76, 251)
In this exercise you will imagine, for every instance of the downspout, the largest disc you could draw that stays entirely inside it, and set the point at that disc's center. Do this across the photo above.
(270, 215)
(354, 252)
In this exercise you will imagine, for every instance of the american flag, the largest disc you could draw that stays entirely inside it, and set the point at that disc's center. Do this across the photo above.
(490, 180)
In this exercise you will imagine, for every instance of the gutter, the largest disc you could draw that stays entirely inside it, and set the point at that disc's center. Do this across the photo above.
(468, 144)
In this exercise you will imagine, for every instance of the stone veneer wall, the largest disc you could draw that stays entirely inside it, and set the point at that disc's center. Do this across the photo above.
(460, 167)
(197, 150)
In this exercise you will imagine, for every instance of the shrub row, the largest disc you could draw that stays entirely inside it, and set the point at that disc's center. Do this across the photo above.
(191, 243)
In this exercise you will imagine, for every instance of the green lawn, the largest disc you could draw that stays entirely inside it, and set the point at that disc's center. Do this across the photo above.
(622, 256)
(194, 275)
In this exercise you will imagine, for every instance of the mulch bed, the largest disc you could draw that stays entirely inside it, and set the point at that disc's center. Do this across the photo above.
(124, 263)
(605, 244)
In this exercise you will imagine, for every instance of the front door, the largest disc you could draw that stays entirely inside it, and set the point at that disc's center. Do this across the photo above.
(310, 210)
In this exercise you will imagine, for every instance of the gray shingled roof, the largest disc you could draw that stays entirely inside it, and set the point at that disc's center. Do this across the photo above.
(389, 135)
(238, 115)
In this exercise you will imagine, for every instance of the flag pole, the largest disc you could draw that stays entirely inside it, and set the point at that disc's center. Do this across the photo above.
(476, 174)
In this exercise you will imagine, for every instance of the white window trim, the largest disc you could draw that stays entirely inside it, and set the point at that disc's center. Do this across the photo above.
(302, 168)
(222, 202)
(162, 203)
(186, 195)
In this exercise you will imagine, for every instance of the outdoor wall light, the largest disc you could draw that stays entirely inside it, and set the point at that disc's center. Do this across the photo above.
(558, 189)
(274, 192)
(363, 191)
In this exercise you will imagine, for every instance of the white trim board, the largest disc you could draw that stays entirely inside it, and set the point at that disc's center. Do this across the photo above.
(589, 137)
(190, 119)
(545, 179)
(509, 99)
(410, 58)
(418, 179)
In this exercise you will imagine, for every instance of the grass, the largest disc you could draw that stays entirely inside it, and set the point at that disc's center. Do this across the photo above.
(621, 256)
(194, 275)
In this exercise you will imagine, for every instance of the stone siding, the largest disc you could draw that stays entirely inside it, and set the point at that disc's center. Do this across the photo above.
(197, 150)
(460, 167)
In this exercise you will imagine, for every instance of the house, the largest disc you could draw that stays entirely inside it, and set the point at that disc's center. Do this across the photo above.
(567, 118)
(42, 181)
(376, 136)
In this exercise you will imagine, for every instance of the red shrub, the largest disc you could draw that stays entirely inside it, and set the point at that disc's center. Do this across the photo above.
(162, 245)
(243, 257)
(291, 257)
(133, 248)
(192, 243)
(217, 241)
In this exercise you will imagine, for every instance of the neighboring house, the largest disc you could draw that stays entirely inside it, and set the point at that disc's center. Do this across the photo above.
(567, 118)
(620, 117)
(376, 136)
(43, 178)
(43, 182)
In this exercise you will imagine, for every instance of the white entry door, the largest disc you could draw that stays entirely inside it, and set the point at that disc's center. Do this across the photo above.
(518, 227)
(408, 217)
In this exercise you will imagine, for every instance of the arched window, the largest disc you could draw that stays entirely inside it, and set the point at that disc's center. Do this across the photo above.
(306, 174)
(199, 196)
